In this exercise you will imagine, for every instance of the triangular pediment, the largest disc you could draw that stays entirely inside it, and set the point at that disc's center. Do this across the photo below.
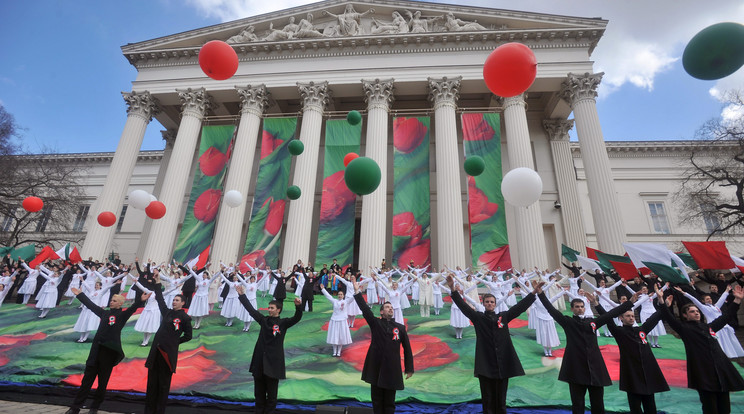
(337, 23)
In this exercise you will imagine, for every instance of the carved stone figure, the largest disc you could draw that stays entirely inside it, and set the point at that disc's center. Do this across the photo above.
(291, 27)
(244, 36)
(417, 24)
(398, 25)
(276, 34)
(453, 24)
(348, 21)
(306, 29)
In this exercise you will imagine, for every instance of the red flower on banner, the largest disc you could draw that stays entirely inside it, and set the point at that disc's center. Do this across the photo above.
(8, 342)
(269, 144)
(674, 370)
(477, 129)
(212, 162)
(336, 196)
(496, 258)
(193, 367)
(256, 259)
(405, 225)
(479, 208)
(420, 254)
(428, 351)
(206, 206)
(408, 134)
(275, 218)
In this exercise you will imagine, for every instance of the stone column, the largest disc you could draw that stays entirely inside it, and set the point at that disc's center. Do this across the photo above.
(141, 107)
(530, 237)
(300, 219)
(450, 236)
(163, 231)
(580, 92)
(226, 244)
(568, 195)
(379, 96)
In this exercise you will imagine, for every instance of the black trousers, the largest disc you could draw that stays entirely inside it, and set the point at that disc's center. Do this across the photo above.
(715, 402)
(383, 400)
(159, 377)
(493, 394)
(309, 302)
(578, 395)
(104, 364)
(265, 389)
(635, 401)
(188, 294)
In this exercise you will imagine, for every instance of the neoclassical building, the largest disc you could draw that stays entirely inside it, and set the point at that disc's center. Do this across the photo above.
(414, 70)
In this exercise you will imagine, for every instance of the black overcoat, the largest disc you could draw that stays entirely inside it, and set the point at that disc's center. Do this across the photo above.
(175, 329)
(112, 322)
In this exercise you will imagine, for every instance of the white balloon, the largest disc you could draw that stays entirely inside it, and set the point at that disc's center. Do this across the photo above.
(152, 198)
(139, 199)
(521, 187)
(233, 198)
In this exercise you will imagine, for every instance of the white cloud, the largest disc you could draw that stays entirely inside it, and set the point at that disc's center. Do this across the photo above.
(227, 10)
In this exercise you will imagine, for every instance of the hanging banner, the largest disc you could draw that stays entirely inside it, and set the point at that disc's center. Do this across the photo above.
(489, 243)
(267, 216)
(206, 192)
(411, 213)
(336, 224)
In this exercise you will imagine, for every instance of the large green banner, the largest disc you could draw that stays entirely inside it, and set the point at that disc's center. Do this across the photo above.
(206, 192)
(411, 214)
(489, 244)
(336, 224)
(267, 216)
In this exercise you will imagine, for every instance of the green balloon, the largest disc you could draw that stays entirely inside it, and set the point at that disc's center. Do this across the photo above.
(354, 117)
(715, 52)
(474, 165)
(293, 192)
(296, 147)
(362, 176)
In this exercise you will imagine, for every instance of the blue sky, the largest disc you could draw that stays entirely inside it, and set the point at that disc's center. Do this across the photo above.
(62, 70)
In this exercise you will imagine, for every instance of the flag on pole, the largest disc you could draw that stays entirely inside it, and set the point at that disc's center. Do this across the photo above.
(199, 261)
(689, 261)
(70, 254)
(588, 264)
(667, 273)
(46, 254)
(739, 264)
(655, 253)
(569, 253)
(591, 253)
(622, 264)
(710, 254)
(26, 252)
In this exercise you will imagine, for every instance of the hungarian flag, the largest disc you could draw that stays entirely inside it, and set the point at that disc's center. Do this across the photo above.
(739, 264)
(71, 255)
(667, 273)
(588, 264)
(591, 253)
(569, 253)
(26, 252)
(622, 264)
(641, 253)
(710, 254)
(689, 261)
(46, 254)
(199, 261)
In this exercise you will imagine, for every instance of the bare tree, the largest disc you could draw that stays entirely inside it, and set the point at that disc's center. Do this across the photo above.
(50, 177)
(713, 187)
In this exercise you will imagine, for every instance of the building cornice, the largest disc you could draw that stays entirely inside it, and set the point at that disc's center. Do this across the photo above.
(74, 158)
(642, 149)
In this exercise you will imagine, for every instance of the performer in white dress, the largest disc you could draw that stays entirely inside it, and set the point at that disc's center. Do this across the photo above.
(726, 336)
(29, 285)
(546, 334)
(251, 289)
(149, 320)
(352, 311)
(393, 294)
(457, 319)
(75, 282)
(88, 321)
(603, 292)
(338, 327)
(646, 302)
(200, 302)
(231, 305)
(47, 299)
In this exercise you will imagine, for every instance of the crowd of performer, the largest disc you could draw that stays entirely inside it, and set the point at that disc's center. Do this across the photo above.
(176, 298)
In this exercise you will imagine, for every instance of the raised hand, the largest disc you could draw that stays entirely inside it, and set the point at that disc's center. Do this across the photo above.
(145, 296)
(298, 301)
(75, 291)
(240, 289)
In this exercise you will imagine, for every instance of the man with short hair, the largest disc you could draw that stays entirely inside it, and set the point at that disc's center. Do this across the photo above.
(382, 364)
(267, 363)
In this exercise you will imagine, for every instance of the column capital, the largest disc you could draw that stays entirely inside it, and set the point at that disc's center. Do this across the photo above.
(444, 91)
(378, 93)
(195, 102)
(169, 136)
(557, 129)
(141, 104)
(519, 100)
(315, 96)
(253, 99)
(577, 88)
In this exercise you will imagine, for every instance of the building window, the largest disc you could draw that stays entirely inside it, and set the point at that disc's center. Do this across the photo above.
(46, 214)
(80, 219)
(121, 218)
(710, 217)
(7, 222)
(658, 217)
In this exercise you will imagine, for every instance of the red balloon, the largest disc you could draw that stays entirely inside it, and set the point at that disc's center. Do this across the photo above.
(107, 219)
(155, 210)
(510, 69)
(349, 158)
(218, 60)
(32, 204)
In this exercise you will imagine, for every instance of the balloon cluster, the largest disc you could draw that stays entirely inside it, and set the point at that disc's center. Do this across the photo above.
(142, 200)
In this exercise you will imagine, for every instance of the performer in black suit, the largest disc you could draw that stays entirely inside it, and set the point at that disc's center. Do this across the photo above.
(709, 370)
(583, 367)
(267, 364)
(382, 364)
(105, 352)
(308, 290)
(280, 291)
(496, 359)
(640, 375)
(175, 329)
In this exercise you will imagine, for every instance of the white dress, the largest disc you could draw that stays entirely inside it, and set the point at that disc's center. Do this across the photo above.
(250, 293)
(200, 301)
(29, 285)
(231, 305)
(88, 321)
(647, 309)
(338, 328)
(47, 298)
(77, 280)
(149, 319)
(545, 332)
(436, 290)
(457, 318)
(726, 335)
(352, 309)
(394, 298)
(371, 291)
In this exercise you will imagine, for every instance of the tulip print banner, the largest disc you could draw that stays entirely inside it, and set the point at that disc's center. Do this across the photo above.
(267, 216)
(489, 244)
(206, 192)
(411, 214)
(336, 224)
